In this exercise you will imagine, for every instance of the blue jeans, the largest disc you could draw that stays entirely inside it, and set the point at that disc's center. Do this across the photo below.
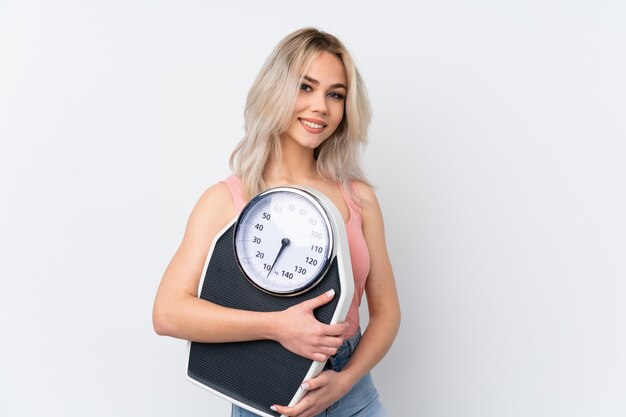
(361, 401)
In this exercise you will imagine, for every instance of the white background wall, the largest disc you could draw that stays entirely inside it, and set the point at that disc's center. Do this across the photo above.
(497, 148)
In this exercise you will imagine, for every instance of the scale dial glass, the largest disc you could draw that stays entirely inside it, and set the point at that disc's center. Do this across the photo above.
(284, 241)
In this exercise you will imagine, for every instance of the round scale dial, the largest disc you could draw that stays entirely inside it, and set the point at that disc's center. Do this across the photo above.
(284, 241)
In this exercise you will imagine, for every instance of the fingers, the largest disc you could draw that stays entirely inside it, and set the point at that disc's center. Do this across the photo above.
(320, 300)
(321, 353)
(331, 342)
(327, 351)
(282, 410)
(331, 329)
(314, 383)
(295, 410)
(308, 404)
(336, 329)
(319, 357)
(327, 347)
(311, 338)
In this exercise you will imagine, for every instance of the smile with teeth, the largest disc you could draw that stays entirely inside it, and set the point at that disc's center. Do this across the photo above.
(311, 124)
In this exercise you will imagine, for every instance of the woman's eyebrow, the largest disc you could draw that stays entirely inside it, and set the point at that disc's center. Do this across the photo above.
(314, 81)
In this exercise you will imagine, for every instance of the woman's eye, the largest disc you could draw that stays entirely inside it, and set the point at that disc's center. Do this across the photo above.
(305, 87)
(336, 96)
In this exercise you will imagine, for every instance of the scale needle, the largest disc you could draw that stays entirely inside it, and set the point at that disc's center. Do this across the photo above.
(283, 244)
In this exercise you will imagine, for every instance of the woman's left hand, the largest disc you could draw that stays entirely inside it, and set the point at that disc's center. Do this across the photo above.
(323, 390)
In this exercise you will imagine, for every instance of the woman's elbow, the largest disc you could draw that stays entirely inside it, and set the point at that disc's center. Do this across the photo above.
(398, 319)
(161, 321)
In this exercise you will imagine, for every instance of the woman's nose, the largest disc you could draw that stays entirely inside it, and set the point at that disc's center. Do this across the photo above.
(318, 103)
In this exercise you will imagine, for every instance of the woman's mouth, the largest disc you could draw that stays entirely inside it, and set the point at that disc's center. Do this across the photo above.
(312, 126)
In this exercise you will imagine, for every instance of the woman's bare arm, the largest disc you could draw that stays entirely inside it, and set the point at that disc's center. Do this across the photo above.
(380, 289)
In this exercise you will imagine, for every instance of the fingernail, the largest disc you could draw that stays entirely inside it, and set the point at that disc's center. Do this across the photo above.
(273, 408)
(347, 325)
(330, 293)
(305, 386)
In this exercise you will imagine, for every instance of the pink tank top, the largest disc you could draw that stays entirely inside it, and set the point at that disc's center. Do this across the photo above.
(359, 254)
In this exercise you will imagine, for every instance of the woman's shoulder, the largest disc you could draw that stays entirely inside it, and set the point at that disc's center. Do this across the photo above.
(222, 193)
(368, 202)
(232, 181)
(216, 194)
(215, 205)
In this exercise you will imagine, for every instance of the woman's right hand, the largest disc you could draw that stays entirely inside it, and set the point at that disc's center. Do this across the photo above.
(298, 331)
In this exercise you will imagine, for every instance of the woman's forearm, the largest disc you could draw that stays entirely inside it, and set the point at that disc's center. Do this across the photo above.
(375, 343)
(190, 318)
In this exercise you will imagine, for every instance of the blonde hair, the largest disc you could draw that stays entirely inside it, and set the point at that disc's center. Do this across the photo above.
(269, 109)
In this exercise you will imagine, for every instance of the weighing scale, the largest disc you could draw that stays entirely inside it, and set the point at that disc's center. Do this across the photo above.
(288, 245)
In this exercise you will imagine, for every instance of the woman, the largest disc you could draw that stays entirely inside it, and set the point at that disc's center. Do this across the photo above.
(306, 117)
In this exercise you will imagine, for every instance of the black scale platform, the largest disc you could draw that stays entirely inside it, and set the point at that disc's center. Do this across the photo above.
(257, 373)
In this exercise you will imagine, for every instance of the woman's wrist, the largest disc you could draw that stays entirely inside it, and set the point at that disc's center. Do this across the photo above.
(347, 379)
(270, 323)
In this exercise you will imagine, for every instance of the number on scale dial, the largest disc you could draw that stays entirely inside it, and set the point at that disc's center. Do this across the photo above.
(284, 241)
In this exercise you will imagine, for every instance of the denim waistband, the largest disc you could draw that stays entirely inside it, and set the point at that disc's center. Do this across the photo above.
(352, 341)
(344, 352)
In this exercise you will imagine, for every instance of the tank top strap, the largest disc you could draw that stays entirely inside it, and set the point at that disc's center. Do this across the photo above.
(352, 198)
(236, 191)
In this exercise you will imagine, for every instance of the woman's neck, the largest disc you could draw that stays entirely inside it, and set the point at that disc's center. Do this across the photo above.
(296, 166)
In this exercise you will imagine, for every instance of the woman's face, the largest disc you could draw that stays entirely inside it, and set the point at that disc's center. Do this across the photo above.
(320, 103)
